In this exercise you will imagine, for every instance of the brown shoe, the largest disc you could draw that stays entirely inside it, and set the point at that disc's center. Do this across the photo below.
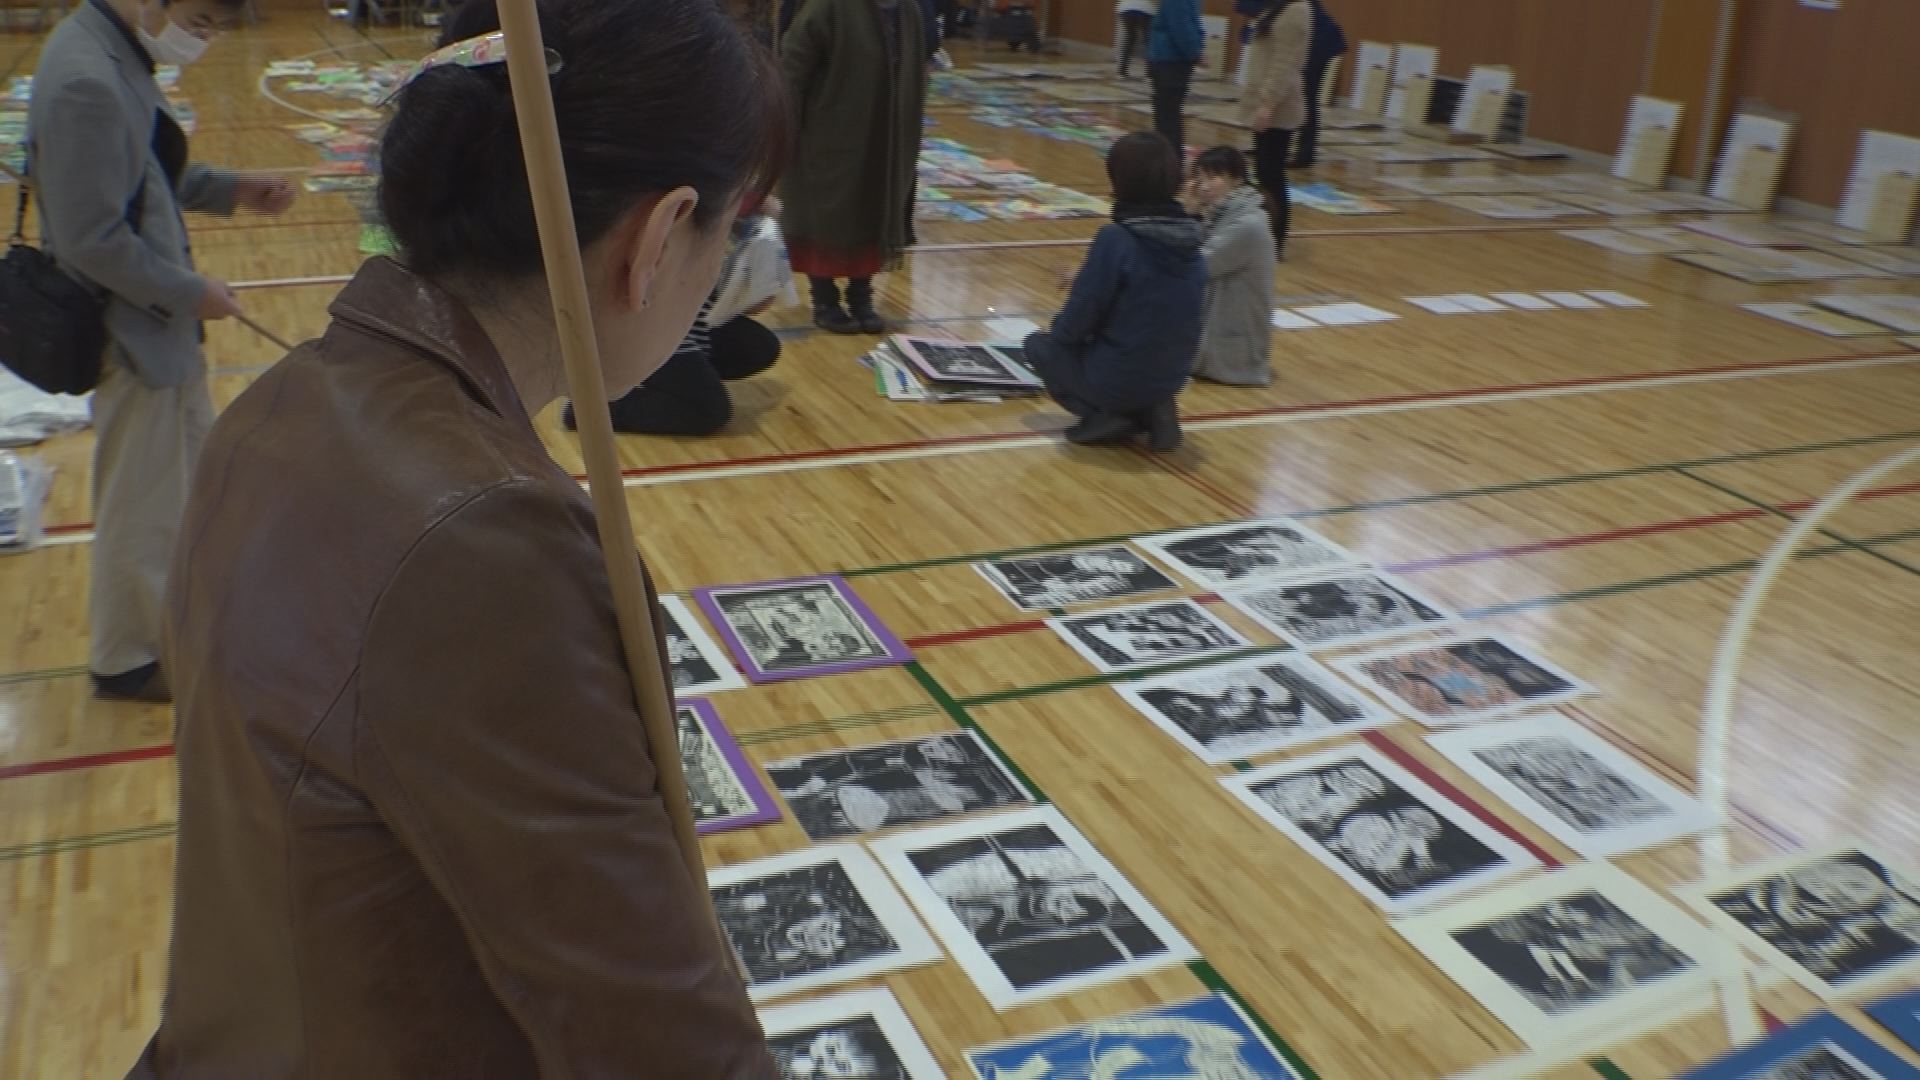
(145, 685)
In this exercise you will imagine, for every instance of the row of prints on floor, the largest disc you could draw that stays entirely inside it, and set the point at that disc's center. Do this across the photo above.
(1031, 910)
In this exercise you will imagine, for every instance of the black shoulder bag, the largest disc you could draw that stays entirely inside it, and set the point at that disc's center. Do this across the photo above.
(53, 330)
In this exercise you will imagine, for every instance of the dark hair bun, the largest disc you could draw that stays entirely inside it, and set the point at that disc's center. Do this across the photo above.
(633, 123)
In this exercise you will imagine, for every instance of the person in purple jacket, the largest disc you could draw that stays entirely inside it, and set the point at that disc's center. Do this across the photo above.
(1124, 344)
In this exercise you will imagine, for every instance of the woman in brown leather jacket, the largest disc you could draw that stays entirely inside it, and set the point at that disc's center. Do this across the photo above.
(420, 834)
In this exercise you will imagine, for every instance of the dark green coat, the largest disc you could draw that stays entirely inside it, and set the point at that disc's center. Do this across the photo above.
(859, 105)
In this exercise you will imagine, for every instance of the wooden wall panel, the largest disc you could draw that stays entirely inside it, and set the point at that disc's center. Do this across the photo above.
(1841, 71)
(1582, 62)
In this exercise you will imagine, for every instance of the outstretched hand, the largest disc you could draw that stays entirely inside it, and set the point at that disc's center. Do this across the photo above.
(264, 194)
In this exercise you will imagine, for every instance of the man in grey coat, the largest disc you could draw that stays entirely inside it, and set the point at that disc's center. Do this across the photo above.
(109, 166)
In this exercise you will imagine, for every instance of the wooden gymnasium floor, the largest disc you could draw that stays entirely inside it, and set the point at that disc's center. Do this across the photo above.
(1593, 483)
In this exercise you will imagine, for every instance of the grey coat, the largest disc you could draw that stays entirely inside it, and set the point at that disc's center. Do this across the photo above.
(90, 128)
(1236, 342)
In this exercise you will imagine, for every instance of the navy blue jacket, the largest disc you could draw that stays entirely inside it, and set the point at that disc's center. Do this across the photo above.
(1134, 313)
(1328, 40)
(1176, 37)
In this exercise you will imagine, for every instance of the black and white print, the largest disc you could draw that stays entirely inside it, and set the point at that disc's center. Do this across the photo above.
(1039, 582)
(1346, 610)
(721, 785)
(1823, 1062)
(795, 629)
(1566, 954)
(1571, 953)
(700, 666)
(1574, 784)
(961, 361)
(1028, 907)
(1399, 842)
(844, 793)
(1243, 708)
(1247, 553)
(1456, 682)
(1121, 639)
(861, 1035)
(1842, 922)
(813, 918)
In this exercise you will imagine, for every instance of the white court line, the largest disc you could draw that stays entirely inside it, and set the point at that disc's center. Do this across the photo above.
(723, 471)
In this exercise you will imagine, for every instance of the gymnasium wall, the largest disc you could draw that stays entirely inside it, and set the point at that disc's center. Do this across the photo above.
(1841, 71)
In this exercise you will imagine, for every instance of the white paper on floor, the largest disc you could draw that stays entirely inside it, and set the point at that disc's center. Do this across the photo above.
(27, 415)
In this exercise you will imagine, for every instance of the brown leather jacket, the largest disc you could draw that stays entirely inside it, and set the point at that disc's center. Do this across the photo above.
(419, 831)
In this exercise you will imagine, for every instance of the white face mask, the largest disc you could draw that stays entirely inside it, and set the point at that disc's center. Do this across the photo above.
(174, 45)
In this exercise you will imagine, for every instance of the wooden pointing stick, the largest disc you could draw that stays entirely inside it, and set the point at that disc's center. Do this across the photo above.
(567, 282)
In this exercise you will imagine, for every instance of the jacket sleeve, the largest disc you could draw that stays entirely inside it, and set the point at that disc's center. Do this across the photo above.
(803, 51)
(499, 739)
(208, 190)
(88, 215)
(1188, 35)
(1292, 35)
(1232, 250)
(1093, 292)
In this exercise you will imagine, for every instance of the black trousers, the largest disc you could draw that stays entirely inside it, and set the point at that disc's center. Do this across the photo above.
(1271, 149)
(1170, 85)
(1133, 30)
(1308, 143)
(688, 395)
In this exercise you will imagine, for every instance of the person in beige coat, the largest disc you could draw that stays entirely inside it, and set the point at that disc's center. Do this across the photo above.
(1274, 102)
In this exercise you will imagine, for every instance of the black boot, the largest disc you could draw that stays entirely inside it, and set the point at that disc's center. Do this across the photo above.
(860, 306)
(1103, 429)
(1163, 427)
(828, 315)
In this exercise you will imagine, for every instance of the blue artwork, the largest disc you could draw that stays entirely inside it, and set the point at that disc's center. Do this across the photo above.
(1205, 1039)
(1900, 1014)
(1820, 1048)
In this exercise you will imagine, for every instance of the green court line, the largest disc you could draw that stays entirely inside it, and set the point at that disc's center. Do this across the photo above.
(837, 723)
(1408, 500)
(80, 843)
(43, 675)
(1211, 978)
(1608, 1069)
(1727, 490)
(958, 713)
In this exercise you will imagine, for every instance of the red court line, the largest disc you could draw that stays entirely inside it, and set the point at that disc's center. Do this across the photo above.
(1875, 493)
(1274, 410)
(1582, 540)
(1404, 758)
(86, 761)
(1198, 483)
(976, 633)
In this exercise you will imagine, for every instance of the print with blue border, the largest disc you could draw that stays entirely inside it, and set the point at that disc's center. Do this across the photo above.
(1205, 1039)
(1804, 1038)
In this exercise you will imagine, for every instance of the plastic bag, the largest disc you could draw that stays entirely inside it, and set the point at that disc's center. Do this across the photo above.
(756, 272)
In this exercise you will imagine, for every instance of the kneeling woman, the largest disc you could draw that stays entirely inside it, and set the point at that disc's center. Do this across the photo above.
(420, 832)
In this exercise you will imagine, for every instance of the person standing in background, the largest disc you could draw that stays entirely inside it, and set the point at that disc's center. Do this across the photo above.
(1273, 102)
(109, 165)
(1136, 19)
(1329, 42)
(1175, 43)
(857, 73)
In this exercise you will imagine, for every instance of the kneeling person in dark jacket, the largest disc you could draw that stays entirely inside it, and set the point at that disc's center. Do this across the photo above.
(1123, 346)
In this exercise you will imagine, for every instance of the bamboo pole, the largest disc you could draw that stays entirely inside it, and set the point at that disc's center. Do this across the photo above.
(567, 282)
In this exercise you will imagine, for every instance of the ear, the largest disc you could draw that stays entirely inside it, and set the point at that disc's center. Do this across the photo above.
(648, 240)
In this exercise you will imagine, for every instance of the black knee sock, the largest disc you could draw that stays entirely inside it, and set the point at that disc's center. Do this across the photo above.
(826, 291)
(860, 294)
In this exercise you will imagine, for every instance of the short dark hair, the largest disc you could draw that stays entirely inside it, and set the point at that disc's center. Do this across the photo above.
(635, 120)
(1222, 161)
(1143, 169)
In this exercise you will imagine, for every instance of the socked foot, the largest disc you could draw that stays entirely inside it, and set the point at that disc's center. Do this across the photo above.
(1103, 429)
(1163, 427)
(146, 685)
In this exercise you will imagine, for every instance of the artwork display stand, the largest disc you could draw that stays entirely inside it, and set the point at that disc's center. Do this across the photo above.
(1751, 164)
(1883, 187)
(1410, 62)
(1483, 102)
(1372, 65)
(1330, 84)
(1646, 147)
(1415, 99)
